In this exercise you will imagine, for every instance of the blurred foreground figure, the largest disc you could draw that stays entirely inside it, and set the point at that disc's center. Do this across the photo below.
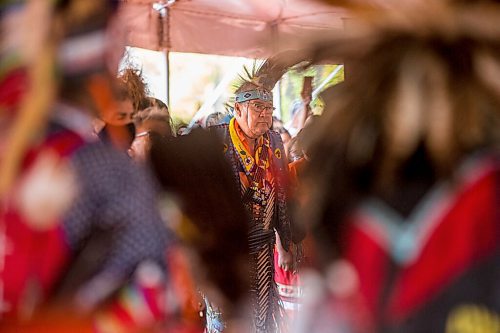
(73, 194)
(404, 176)
(214, 224)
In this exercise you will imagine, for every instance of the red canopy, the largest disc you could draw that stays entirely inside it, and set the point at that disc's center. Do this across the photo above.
(251, 28)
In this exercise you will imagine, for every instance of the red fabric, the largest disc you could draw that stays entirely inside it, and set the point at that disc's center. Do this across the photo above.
(12, 89)
(284, 277)
(370, 261)
(34, 258)
(123, 316)
(182, 284)
(154, 298)
(465, 234)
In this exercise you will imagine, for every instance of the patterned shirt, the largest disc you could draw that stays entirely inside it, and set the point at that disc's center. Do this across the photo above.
(118, 196)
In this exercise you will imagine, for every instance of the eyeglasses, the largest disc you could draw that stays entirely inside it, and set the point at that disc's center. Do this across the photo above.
(259, 107)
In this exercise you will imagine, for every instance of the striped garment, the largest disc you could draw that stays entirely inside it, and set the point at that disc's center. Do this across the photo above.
(262, 184)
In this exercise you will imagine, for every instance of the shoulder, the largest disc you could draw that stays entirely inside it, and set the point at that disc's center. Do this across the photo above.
(101, 160)
(275, 136)
(221, 131)
(221, 128)
(275, 139)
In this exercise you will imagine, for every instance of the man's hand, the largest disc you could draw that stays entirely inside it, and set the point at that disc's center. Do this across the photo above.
(285, 258)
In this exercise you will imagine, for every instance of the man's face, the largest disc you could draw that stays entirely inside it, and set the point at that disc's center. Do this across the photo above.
(120, 117)
(254, 117)
(124, 111)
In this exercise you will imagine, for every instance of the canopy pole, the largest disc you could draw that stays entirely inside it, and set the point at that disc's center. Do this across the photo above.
(275, 48)
(207, 106)
(164, 41)
(325, 81)
(166, 54)
(277, 100)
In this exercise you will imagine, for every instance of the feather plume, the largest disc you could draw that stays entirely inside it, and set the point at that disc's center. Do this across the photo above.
(268, 72)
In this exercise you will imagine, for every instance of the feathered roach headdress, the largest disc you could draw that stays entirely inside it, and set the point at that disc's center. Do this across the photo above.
(259, 82)
(421, 81)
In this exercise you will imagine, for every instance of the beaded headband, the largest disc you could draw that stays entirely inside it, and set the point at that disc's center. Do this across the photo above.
(259, 93)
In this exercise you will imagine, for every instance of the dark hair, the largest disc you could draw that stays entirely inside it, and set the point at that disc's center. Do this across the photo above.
(155, 110)
(148, 101)
(216, 116)
(133, 87)
(203, 180)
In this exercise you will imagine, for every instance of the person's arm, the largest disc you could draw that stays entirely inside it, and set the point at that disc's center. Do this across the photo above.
(305, 109)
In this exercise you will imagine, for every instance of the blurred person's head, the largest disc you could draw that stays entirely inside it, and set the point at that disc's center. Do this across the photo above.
(182, 129)
(213, 119)
(421, 94)
(154, 115)
(123, 113)
(277, 124)
(154, 120)
(286, 138)
(83, 56)
(295, 151)
(131, 94)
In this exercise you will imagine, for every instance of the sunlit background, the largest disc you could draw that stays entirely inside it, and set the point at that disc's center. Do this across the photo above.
(201, 84)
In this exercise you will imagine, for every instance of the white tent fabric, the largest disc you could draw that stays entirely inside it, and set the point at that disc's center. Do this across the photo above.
(247, 28)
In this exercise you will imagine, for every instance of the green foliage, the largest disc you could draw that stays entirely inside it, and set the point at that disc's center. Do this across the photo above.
(291, 86)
